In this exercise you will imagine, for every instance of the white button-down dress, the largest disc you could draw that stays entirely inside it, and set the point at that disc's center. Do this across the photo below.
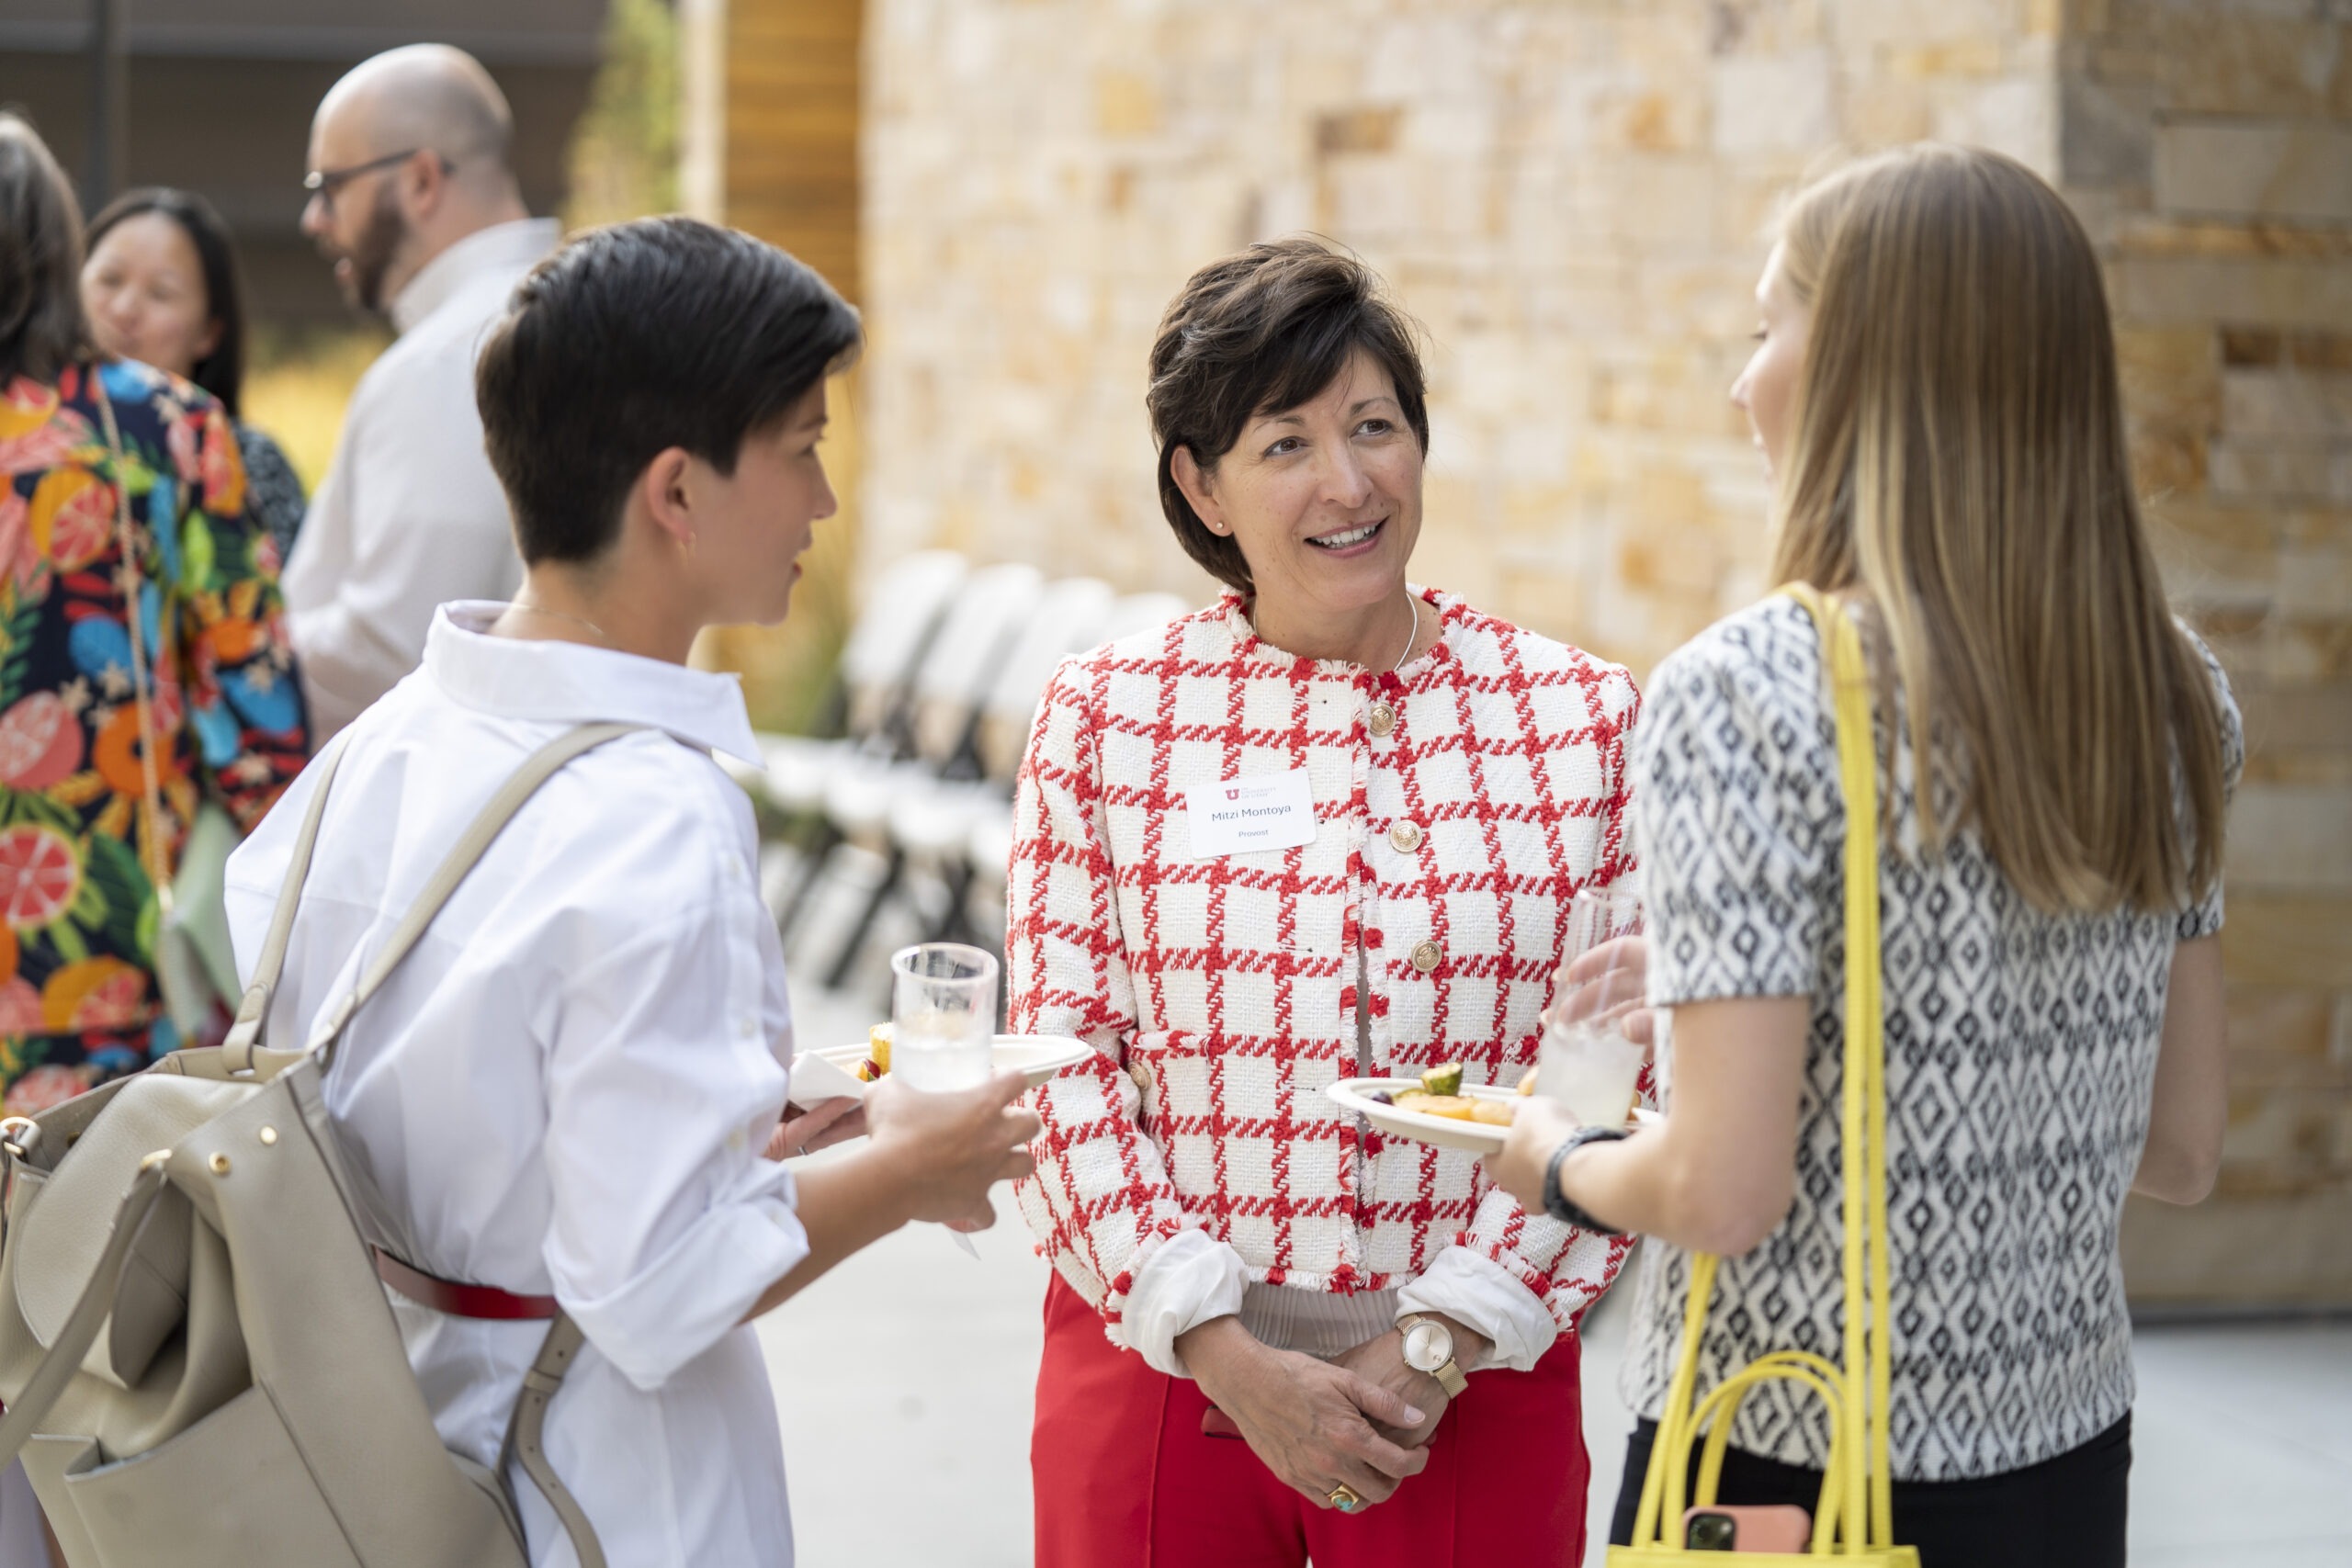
(567, 1088)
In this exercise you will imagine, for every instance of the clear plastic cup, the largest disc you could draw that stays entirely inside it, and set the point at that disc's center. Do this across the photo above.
(943, 1015)
(1585, 1063)
(1594, 1073)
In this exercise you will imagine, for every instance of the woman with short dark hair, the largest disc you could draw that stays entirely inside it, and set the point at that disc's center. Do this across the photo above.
(160, 286)
(119, 487)
(574, 1100)
(1233, 1253)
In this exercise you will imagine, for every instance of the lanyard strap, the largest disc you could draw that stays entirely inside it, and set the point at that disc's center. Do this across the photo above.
(150, 835)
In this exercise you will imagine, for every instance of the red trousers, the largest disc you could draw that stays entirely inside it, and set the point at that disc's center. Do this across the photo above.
(1125, 1478)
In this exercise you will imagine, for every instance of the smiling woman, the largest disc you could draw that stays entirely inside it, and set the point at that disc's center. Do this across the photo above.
(1293, 427)
(1236, 1257)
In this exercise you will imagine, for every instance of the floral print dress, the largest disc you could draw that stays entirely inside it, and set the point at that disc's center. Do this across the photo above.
(78, 906)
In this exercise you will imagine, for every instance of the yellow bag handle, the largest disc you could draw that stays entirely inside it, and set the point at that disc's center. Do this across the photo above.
(1857, 1483)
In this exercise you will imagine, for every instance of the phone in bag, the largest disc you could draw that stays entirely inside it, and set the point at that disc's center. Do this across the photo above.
(1720, 1527)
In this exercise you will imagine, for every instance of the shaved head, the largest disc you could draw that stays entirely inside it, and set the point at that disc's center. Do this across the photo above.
(426, 95)
(409, 156)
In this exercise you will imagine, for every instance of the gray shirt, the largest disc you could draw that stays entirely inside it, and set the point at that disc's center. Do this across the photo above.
(2020, 1055)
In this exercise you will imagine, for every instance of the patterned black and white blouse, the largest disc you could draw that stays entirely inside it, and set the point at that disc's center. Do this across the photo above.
(2020, 1052)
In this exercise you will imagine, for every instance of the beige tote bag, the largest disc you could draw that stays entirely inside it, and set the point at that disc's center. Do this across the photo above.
(200, 1365)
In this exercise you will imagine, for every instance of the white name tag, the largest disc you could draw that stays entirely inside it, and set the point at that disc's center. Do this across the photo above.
(1276, 812)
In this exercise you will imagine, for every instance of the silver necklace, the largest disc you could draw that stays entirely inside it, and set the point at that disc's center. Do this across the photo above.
(560, 616)
(1411, 638)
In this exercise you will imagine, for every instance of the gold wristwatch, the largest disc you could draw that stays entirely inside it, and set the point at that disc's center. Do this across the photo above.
(1429, 1348)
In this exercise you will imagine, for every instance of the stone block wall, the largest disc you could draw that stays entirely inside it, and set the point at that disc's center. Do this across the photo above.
(1572, 196)
(2209, 146)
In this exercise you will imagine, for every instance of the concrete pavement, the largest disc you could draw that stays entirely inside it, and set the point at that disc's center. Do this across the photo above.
(903, 1381)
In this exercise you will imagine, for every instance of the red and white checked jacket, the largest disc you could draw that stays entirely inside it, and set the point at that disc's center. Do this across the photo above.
(1460, 803)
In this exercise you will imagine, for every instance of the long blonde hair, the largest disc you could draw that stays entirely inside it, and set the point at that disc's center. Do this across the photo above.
(1958, 461)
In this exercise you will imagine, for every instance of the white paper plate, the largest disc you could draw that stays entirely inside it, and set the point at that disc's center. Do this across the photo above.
(831, 1073)
(1444, 1131)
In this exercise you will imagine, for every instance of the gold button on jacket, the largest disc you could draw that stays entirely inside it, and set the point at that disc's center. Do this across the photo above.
(1406, 836)
(1427, 955)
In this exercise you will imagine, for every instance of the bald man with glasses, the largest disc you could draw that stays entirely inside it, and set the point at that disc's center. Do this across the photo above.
(411, 199)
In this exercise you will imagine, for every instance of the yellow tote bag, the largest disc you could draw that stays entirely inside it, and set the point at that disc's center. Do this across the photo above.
(1857, 1485)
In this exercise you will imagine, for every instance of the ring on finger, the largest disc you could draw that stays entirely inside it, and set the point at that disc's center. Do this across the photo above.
(1344, 1497)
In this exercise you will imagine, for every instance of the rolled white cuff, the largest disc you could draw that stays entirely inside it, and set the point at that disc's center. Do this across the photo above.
(682, 1302)
(1480, 1293)
(1189, 1278)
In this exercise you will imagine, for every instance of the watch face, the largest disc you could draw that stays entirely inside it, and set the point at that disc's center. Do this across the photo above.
(1428, 1347)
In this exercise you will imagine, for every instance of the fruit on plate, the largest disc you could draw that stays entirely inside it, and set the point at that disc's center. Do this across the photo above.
(1458, 1107)
(878, 1054)
(1527, 1084)
(1445, 1079)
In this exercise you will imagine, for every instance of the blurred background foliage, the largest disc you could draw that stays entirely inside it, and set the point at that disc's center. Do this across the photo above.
(301, 382)
(623, 159)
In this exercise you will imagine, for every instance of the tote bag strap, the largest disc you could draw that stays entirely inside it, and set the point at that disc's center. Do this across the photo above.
(244, 1036)
(1858, 1485)
(1863, 1113)
(244, 1033)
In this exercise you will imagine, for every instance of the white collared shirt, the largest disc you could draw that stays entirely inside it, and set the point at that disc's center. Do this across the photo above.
(567, 1088)
(408, 515)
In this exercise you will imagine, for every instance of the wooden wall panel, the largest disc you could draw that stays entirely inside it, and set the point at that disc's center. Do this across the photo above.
(792, 116)
(789, 175)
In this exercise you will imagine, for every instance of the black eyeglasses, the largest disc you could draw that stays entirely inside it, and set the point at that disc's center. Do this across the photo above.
(324, 182)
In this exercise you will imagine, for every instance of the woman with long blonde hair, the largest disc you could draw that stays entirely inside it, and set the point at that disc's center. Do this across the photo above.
(1935, 388)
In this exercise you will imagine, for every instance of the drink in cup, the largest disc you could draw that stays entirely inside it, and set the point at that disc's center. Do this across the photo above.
(942, 1011)
(1586, 1062)
(1594, 1073)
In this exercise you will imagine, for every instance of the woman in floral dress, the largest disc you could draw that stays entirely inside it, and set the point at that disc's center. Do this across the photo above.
(81, 852)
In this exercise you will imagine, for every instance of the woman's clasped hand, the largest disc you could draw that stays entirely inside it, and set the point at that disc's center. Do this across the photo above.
(1318, 1425)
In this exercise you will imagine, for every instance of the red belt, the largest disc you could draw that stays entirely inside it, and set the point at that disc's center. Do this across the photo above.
(461, 1301)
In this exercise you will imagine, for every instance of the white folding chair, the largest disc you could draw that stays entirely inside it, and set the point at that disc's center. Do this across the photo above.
(989, 840)
(871, 700)
(1070, 619)
(903, 609)
(932, 826)
(985, 619)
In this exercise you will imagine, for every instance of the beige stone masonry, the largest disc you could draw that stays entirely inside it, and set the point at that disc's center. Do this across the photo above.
(1573, 196)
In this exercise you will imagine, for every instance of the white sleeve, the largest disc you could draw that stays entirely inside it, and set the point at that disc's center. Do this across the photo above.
(668, 1220)
(421, 521)
(1185, 1282)
(1480, 1293)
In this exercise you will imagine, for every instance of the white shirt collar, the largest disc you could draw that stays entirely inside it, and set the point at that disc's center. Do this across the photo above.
(571, 682)
(503, 247)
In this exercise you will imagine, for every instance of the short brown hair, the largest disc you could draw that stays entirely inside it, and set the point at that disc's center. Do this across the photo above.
(42, 329)
(1256, 333)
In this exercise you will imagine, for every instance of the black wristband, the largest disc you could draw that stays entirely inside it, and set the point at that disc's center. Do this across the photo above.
(1555, 1202)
